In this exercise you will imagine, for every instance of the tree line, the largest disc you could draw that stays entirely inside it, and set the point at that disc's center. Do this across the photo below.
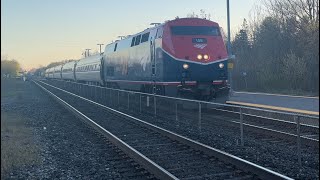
(279, 50)
(9, 68)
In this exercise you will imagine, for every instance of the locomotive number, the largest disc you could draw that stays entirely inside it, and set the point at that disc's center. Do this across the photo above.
(199, 40)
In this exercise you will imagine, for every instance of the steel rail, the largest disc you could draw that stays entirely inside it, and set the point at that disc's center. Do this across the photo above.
(240, 163)
(268, 118)
(148, 164)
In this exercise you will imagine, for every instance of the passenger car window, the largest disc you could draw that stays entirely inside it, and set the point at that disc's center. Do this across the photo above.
(137, 40)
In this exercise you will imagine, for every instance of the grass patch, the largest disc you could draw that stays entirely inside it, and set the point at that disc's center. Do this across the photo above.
(9, 93)
(17, 146)
(11, 87)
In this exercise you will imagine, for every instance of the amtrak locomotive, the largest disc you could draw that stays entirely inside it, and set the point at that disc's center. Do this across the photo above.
(184, 57)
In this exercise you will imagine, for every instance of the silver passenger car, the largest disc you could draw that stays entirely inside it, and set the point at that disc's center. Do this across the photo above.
(88, 70)
(68, 71)
(57, 72)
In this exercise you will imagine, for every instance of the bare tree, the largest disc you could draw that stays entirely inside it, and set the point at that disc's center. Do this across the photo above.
(283, 47)
(202, 15)
(301, 11)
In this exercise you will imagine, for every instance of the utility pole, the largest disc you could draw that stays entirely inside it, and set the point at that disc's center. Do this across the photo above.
(230, 67)
(228, 24)
(100, 47)
(155, 24)
(121, 37)
(88, 51)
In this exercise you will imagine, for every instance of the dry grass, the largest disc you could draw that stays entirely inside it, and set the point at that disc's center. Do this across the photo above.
(17, 145)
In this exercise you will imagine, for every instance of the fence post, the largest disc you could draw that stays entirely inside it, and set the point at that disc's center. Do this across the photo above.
(128, 101)
(90, 92)
(105, 97)
(297, 119)
(118, 97)
(85, 90)
(155, 105)
(95, 94)
(78, 89)
(110, 103)
(241, 127)
(140, 104)
(101, 95)
(199, 122)
(176, 110)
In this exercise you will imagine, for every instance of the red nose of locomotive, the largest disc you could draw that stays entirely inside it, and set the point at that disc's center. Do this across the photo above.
(194, 39)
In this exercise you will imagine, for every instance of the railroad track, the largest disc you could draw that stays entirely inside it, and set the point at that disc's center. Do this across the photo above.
(271, 117)
(270, 151)
(309, 134)
(277, 128)
(163, 153)
(213, 116)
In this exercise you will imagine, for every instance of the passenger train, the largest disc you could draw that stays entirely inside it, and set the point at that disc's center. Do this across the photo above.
(183, 57)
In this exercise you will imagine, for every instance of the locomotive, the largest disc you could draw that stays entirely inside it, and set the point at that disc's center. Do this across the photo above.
(183, 57)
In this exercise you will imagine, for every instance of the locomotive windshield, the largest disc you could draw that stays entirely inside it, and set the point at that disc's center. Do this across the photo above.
(195, 30)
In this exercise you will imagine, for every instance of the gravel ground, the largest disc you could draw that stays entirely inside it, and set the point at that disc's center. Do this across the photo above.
(280, 157)
(67, 148)
(178, 159)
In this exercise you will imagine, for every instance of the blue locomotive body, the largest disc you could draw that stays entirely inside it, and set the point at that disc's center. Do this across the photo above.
(183, 57)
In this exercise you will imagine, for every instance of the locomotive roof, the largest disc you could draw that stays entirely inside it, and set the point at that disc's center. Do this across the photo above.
(132, 35)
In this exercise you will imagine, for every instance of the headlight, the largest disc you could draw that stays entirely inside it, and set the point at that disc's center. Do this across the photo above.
(221, 65)
(206, 57)
(199, 57)
(185, 66)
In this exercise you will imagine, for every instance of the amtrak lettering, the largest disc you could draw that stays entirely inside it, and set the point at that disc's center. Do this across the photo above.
(200, 46)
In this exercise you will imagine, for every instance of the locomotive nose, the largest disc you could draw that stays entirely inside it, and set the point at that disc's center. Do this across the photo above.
(207, 50)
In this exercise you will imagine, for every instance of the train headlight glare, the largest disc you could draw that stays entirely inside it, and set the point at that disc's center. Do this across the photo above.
(185, 66)
(221, 65)
(206, 57)
(199, 57)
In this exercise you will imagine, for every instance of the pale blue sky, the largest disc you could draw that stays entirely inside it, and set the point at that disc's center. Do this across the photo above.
(37, 32)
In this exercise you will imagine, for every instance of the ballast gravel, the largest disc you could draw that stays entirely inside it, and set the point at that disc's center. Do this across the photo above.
(68, 149)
